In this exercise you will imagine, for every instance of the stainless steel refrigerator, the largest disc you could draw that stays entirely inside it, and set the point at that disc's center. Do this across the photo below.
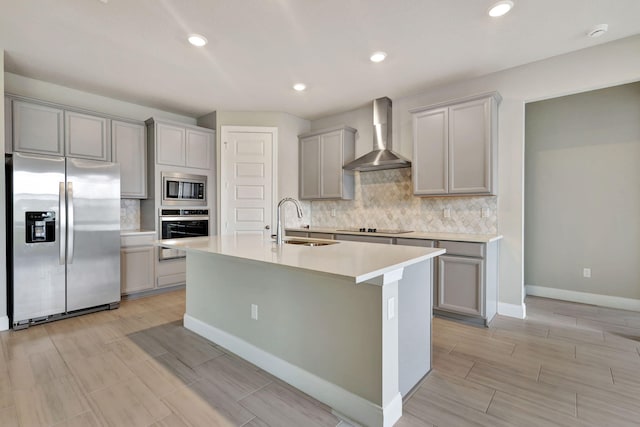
(63, 237)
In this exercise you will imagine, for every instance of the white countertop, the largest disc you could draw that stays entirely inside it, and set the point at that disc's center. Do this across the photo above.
(355, 260)
(456, 237)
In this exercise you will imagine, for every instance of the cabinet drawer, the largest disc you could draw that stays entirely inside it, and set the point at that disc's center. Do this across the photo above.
(463, 248)
(415, 242)
(367, 239)
(137, 240)
(327, 236)
(296, 233)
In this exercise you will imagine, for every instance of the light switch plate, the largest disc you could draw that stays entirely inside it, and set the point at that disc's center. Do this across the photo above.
(391, 308)
(446, 212)
(254, 311)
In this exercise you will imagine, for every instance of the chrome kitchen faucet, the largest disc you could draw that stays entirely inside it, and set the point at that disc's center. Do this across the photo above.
(279, 239)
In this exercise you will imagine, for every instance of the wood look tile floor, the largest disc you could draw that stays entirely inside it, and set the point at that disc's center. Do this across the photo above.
(566, 365)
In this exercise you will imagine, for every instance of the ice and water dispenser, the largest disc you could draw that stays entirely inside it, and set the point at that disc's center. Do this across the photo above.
(40, 226)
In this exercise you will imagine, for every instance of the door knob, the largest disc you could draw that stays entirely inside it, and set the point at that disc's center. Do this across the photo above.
(267, 227)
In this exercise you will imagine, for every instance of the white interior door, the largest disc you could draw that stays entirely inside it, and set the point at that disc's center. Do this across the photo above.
(247, 180)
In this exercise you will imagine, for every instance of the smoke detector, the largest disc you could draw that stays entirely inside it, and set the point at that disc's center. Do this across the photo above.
(598, 30)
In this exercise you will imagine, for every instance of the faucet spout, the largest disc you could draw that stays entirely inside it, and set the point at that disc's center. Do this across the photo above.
(279, 237)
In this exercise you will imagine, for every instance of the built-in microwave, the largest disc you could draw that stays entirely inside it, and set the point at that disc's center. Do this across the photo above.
(184, 189)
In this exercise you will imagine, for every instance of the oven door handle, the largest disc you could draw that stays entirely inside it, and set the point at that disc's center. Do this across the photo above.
(184, 218)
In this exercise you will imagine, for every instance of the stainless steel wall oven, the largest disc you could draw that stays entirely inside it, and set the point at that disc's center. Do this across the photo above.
(181, 223)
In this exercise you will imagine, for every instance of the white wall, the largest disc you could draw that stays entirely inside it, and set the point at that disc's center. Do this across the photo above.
(582, 204)
(24, 86)
(601, 66)
(4, 320)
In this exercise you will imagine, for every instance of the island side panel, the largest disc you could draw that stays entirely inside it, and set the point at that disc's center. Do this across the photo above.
(325, 325)
(414, 331)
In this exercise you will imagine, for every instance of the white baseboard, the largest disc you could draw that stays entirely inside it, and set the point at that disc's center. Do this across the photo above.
(342, 401)
(584, 297)
(512, 310)
(4, 323)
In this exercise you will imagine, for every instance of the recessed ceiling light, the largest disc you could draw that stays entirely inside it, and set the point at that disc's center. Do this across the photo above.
(598, 30)
(500, 8)
(197, 40)
(299, 87)
(378, 56)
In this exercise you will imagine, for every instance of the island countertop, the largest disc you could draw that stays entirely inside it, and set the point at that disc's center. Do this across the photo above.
(357, 261)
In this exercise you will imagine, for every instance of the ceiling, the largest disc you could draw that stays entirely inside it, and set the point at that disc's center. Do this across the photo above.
(136, 50)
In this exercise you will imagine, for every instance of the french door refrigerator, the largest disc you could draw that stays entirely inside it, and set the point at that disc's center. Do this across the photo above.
(63, 237)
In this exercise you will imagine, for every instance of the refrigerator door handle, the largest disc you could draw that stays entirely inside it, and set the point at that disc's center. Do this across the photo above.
(62, 221)
(70, 221)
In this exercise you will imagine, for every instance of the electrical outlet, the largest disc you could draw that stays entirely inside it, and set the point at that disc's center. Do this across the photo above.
(333, 213)
(485, 213)
(446, 212)
(586, 272)
(254, 311)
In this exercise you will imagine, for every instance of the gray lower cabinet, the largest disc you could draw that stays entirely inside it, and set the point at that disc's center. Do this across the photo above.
(137, 263)
(129, 149)
(367, 239)
(87, 136)
(466, 284)
(455, 147)
(37, 128)
(323, 153)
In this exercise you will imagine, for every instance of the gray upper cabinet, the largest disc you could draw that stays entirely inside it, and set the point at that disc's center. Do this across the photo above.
(170, 142)
(198, 149)
(43, 128)
(455, 147)
(181, 145)
(37, 128)
(87, 136)
(323, 153)
(129, 149)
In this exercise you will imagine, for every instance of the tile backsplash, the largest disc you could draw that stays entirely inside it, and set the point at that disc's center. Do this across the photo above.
(129, 214)
(384, 199)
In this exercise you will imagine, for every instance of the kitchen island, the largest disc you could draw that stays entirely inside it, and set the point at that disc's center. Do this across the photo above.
(348, 323)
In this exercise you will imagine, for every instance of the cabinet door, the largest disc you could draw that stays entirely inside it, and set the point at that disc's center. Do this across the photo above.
(460, 285)
(136, 269)
(310, 167)
(198, 149)
(331, 165)
(170, 145)
(130, 151)
(470, 147)
(37, 128)
(429, 167)
(87, 136)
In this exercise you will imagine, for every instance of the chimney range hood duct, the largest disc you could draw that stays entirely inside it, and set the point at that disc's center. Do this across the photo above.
(382, 157)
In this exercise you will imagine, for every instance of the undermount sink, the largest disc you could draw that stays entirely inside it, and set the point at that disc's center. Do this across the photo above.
(309, 242)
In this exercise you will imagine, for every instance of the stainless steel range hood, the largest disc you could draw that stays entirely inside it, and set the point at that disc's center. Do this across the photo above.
(382, 157)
